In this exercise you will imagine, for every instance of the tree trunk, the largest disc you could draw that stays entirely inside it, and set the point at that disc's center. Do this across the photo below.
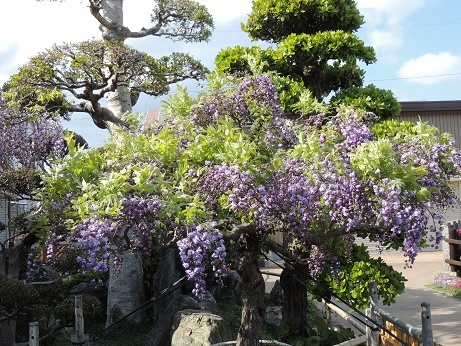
(118, 101)
(126, 288)
(9, 270)
(252, 294)
(8, 332)
(294, 308)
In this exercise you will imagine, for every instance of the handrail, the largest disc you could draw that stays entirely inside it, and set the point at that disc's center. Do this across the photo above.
(415, 332)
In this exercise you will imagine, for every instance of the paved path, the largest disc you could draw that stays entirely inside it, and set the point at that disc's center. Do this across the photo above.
(446, 311)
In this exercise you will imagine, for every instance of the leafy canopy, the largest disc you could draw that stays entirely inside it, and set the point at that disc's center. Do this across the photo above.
(227, 164)
(273, 20)
(315, 49)
(89, 71)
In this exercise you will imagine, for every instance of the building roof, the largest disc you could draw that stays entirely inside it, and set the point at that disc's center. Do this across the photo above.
(430, 106)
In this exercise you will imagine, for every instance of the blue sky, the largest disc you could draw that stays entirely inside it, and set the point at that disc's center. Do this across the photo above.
(417, 43)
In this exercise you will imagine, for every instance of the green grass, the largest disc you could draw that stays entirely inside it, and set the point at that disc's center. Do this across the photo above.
(126, 334)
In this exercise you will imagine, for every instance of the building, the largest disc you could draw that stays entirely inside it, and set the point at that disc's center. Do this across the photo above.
(446, 116)
(9, 209)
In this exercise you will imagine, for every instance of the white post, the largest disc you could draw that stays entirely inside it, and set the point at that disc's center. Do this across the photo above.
(34, 334)
(79, 337)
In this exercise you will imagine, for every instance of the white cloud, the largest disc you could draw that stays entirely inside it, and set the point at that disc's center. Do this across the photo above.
(432, 68)
(385, 40)
(34, 26)
(137, 12)
(224, 11)
(388, 12)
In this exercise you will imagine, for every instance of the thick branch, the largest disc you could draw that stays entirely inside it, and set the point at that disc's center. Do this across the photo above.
(101, 116)
(145, 32)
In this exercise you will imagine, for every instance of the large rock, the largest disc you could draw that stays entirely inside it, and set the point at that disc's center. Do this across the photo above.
(192, 327)
(273, 318)
(126, 290)
(160, 334)
(167, 274)
(276, 293)
(230, 290)
(208, 302)
(99, 292)
(45, 275)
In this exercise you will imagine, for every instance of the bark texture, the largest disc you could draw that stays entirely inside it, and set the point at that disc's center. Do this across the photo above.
(8, 332)
(10, 264)
(126, 290)
(252, 293)
(118, 101)
(294, 308)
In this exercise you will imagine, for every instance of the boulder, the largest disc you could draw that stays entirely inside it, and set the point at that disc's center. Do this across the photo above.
(230, 290)
(125, 289)
(192, 327)
(207, 302)
(99, 292)
(160, 334)
(276, 293)
(273, 318)
(45, 275)
(168, 272)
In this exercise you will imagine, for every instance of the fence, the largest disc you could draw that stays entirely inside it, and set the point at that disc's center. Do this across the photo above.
(384, 329)
(78, 338)
(454, 243)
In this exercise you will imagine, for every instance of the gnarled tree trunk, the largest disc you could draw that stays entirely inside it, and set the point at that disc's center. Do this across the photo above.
(294, 308)
(126, 291)
(10, 264)
(252, 293)
(118, 101)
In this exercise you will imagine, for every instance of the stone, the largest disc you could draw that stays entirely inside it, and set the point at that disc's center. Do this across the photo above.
(99, 292)
(208, 302)
(273, 318)
(276, 293)
(168, 272)
(125, 290)
(230, 290)
(160, 334)
(46, 275)
(192, 327)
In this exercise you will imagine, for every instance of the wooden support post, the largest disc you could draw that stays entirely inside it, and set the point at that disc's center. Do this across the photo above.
(79, 337)
(454, 249)
(426, 324)
(373, 335)
(34, 334)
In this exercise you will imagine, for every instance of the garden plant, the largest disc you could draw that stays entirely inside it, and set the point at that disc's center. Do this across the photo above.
(225, 171)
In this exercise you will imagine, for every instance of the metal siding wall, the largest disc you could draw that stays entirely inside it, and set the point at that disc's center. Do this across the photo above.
(3, 217)
(445, 121)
